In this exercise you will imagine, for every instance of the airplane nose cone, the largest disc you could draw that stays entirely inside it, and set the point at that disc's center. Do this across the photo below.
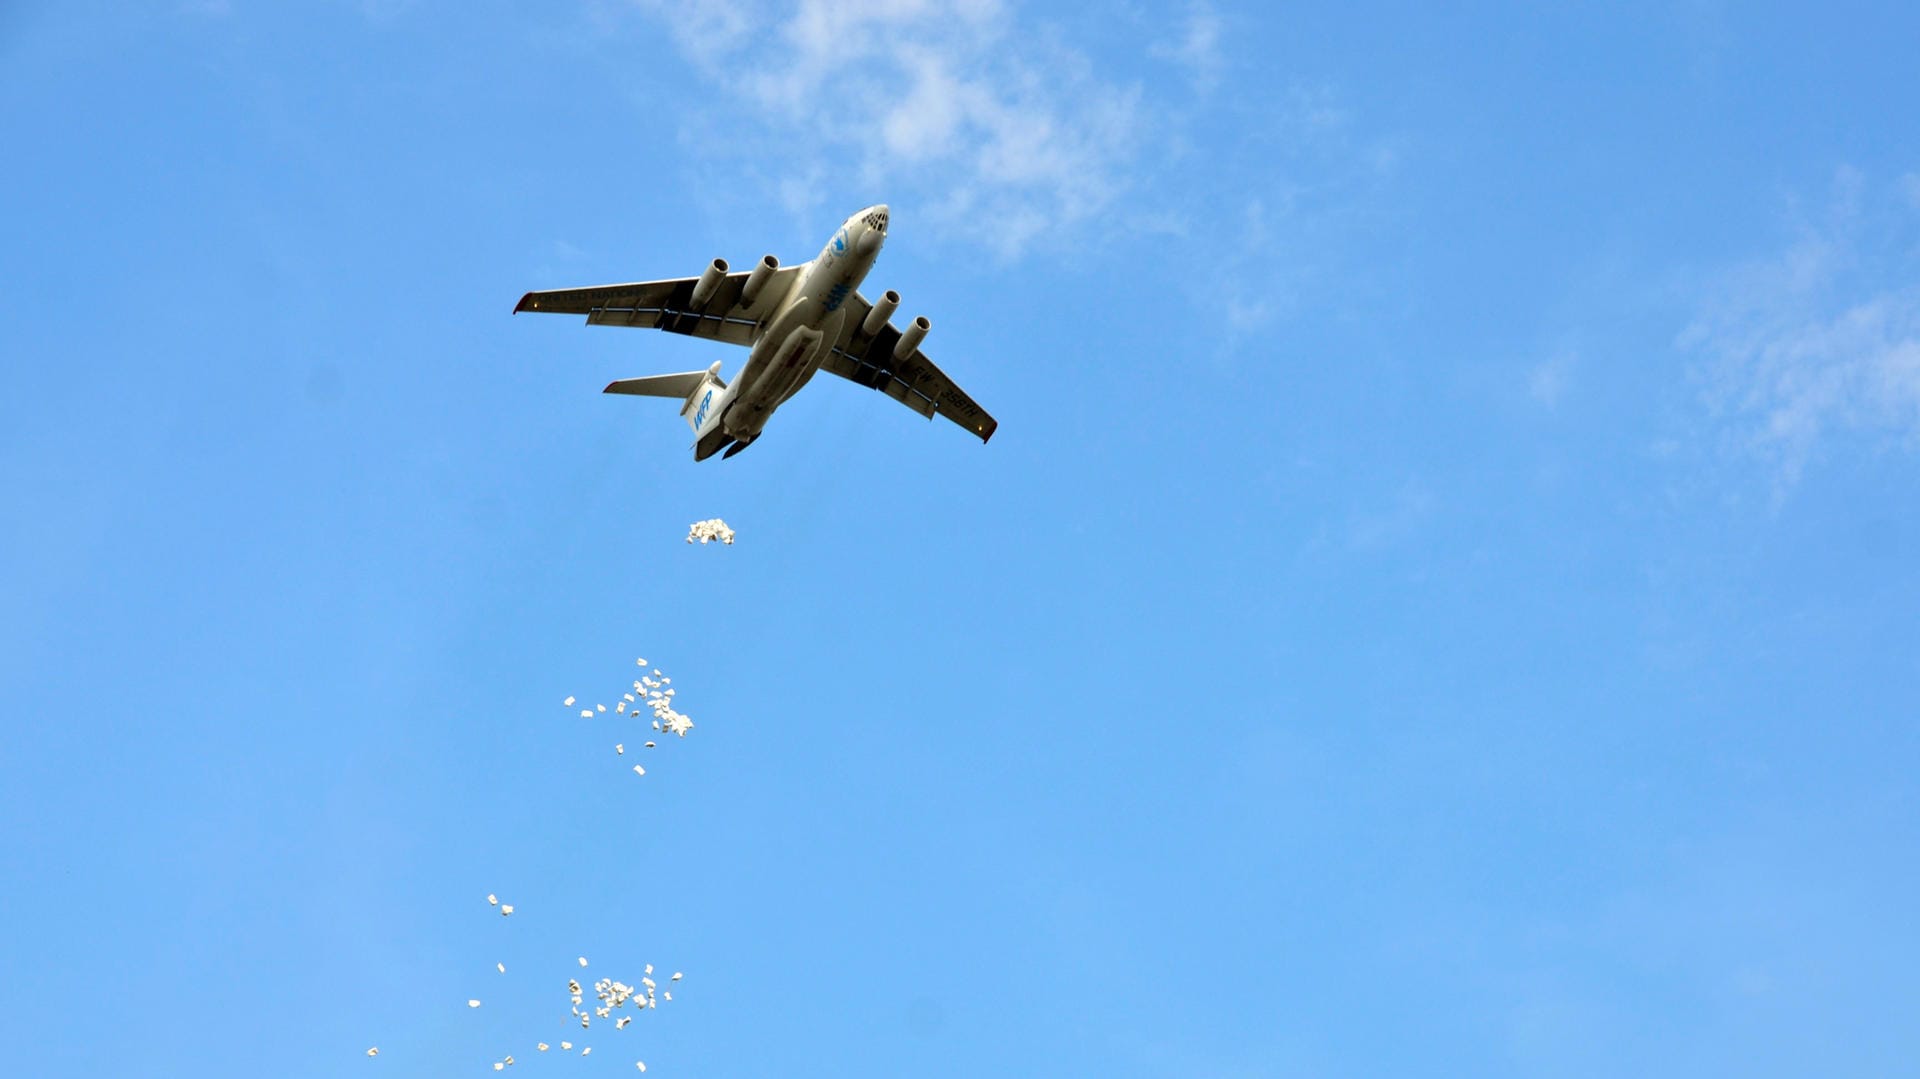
(870, 240)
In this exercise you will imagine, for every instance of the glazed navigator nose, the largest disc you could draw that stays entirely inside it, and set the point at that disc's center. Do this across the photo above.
(873, 230)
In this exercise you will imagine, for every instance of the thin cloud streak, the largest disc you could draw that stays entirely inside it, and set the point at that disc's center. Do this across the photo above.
(1198, 49)
(1548, 381)
(1008, 132)
(1818, 341)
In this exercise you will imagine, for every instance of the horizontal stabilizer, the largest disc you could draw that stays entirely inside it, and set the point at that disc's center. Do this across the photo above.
(679, 385)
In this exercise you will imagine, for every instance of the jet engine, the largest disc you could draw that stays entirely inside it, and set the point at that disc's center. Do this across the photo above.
(883, 309)
(710, 280)
(757, 280)
(911, 337)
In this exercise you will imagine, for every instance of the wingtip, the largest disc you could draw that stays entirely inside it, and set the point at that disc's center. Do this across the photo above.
(526, 304)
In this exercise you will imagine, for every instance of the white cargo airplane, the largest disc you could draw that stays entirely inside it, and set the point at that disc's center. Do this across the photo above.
(794, 320)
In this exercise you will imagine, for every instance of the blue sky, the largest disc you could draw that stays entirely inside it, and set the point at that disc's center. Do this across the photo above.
(1440, 600)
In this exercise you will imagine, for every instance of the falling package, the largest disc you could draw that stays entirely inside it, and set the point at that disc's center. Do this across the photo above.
(710, 530)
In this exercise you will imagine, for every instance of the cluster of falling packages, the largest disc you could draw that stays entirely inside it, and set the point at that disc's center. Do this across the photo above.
(615, 1003)
(611, 996)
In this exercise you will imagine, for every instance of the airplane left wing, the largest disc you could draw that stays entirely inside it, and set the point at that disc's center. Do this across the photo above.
(914, 382)
(668, 305)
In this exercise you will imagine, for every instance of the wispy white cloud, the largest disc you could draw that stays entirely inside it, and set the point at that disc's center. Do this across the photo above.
(1197, 49)
(1279, 209)
(1548, 380)
(1822, 339)
(1248, 297)
(988, 122)
(983, 123)
(1404, 514)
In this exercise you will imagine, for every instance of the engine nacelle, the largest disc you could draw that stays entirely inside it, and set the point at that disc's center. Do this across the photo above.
(710, 280)
(883, 309)
(758, 279)
(911, 337)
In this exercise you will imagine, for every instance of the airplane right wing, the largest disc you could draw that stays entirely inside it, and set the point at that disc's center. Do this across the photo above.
(668, 305)
(914, 382)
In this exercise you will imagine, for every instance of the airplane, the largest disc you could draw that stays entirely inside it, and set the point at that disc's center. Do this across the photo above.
(794, 320)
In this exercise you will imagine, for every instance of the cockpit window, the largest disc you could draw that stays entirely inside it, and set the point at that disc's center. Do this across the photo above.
(877, 220)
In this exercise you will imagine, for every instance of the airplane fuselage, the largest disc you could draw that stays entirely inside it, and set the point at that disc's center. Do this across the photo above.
(794, 337)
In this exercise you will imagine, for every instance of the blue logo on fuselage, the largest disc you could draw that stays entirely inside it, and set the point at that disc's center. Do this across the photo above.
(700, 417)
(840, 242)
(835, 296)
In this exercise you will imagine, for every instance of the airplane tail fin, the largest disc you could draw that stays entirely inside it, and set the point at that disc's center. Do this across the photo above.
(697, 388)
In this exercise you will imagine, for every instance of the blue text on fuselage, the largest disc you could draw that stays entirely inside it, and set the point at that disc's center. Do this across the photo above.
(700, 417)
(836, 296)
